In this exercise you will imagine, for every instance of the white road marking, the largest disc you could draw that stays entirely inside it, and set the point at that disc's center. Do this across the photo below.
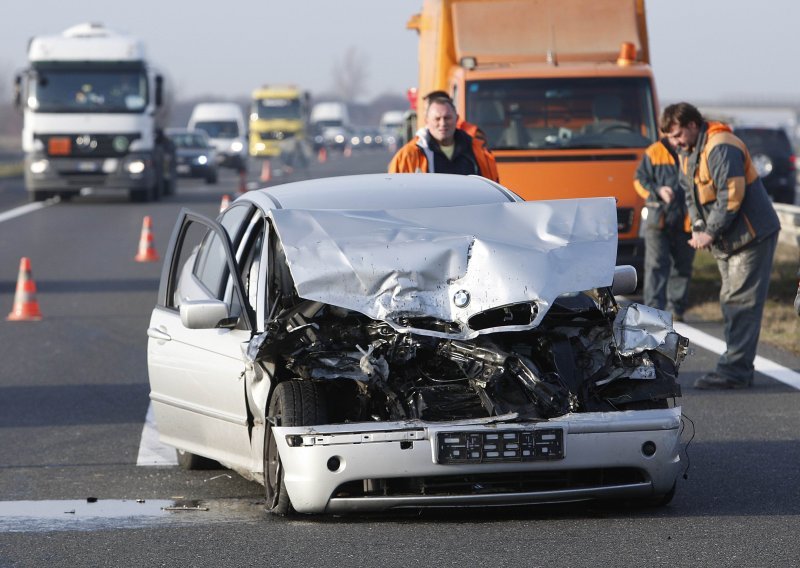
(763, 365)
(151, 450)
(25, 209)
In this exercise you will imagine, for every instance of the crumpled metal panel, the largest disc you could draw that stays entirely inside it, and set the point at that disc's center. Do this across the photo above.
(640, 328)
(411, 262)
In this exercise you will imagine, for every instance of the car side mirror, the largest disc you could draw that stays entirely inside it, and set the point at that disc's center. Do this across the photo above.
(206, 314)
(625, 280)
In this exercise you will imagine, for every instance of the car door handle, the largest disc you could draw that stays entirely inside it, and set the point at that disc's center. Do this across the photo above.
(156, 333)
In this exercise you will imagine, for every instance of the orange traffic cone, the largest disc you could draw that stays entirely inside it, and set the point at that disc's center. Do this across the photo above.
(26, 308)
(348, 151)
(147, 250)
(322, 155)
(223, 205)
(266, 171)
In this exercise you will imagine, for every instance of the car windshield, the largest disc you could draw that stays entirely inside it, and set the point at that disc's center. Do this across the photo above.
(189, 140)
(219, 128)
(569, 113)
(273, 109)
(88, 88)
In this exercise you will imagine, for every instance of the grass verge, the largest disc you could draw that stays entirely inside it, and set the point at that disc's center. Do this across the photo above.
(780, 325)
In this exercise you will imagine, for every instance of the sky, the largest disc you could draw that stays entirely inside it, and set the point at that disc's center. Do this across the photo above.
(701, 50)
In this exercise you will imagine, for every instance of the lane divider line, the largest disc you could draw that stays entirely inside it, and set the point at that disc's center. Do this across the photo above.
(763, 365)
(25, 209)
(151, 450)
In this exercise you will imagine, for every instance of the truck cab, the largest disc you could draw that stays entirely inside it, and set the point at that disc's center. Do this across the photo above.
(279, 122)
(562, 91)
(93, 116)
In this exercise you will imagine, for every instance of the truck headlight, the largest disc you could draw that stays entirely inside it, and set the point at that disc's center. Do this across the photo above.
(236, 146)
(39, 166)
(136, 166)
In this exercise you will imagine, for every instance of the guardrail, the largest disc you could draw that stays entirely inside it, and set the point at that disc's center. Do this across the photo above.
(790, 223)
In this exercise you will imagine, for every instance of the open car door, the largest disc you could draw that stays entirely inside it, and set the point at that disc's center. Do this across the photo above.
(197, 331)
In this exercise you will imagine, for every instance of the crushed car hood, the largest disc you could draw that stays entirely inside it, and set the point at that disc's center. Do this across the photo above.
(398, 265)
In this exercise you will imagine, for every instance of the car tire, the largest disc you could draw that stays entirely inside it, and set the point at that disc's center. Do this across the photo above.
(293, 403)
(190, 461)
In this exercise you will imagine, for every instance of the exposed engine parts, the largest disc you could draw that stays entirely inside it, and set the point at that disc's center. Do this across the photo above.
(572, 362)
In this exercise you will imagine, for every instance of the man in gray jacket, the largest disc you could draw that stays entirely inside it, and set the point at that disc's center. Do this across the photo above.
(733, 217)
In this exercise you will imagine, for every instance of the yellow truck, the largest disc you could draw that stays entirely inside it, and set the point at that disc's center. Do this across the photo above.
(278, 122)
(562, 89)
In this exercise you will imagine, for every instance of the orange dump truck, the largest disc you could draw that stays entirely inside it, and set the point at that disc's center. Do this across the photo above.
(562, 89)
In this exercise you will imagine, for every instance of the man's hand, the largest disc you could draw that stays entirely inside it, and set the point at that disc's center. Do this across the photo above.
(666, 194)
(700, 240)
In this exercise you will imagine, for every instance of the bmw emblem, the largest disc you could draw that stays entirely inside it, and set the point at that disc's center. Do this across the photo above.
(461, 299)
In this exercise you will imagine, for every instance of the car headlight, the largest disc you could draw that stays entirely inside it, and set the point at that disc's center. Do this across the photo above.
(136, 166)
(236, 146)
(762, 164)
(339, 139)
(39, 166)
(202, 160)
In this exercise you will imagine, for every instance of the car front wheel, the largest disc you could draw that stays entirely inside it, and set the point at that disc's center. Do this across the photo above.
(294, 403)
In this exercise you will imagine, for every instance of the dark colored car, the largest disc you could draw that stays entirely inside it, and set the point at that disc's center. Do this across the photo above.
(194, 155)
(774, 158)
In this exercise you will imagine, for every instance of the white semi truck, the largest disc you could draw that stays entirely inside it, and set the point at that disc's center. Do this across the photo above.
(93, 116)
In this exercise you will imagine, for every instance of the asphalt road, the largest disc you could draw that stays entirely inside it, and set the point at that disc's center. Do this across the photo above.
(74, 394)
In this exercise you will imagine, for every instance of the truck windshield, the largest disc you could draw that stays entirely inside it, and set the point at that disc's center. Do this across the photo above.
(568, 113)
(276, 109)
(88, 88)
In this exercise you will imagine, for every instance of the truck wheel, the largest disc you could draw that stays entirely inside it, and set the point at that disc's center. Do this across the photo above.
(142, 195)
(294, 403)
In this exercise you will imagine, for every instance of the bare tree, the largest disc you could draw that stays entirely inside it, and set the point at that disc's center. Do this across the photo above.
(350, 75)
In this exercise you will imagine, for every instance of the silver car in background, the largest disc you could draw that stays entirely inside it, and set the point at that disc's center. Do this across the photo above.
(376, 342)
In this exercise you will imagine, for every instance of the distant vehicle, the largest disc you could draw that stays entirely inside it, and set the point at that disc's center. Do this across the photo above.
(332, 121)
(225, 126)
(774, 159)
(195, 156)
(366, 138)
(367, 343)
(391, 126)
(92, 116)
(279, 116)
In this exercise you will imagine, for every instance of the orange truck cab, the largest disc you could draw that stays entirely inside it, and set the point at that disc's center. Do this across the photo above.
(562, 89)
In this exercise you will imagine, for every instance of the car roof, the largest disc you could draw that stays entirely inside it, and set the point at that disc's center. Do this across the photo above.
(382, 191)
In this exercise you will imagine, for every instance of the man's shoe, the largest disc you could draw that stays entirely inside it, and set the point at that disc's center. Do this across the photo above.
(715, 381)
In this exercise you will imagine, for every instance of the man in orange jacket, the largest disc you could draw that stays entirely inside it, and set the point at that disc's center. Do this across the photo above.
(442, 148)
(733, 217)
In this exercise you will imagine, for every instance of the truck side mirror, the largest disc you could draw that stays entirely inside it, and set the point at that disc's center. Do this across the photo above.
(18, 91)
(159, 90)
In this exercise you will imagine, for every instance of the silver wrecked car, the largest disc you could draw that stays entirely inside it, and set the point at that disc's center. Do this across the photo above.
(374, 342)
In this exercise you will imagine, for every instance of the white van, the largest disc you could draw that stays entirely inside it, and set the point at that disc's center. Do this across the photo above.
(225, 126)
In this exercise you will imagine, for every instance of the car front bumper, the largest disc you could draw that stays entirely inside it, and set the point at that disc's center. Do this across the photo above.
(398, 464)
